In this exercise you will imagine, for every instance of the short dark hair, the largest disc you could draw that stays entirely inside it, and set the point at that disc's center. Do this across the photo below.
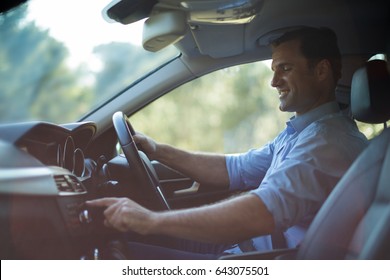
(316, 44)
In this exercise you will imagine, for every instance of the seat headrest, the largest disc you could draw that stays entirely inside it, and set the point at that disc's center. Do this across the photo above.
(370, 92)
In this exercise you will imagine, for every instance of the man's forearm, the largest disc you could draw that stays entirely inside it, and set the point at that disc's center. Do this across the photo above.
(229, 221)
(205, 168)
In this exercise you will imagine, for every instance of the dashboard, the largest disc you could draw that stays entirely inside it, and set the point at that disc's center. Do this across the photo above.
(43, 181)
(52, 144)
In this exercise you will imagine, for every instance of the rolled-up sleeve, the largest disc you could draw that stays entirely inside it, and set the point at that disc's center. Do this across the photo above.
(248, 170)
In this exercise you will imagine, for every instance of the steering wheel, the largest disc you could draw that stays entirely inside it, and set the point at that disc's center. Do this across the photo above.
(142, 167)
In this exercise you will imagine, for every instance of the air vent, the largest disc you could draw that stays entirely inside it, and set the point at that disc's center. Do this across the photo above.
(68, 184)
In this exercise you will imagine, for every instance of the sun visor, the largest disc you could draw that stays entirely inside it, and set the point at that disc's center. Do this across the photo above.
(221, 11)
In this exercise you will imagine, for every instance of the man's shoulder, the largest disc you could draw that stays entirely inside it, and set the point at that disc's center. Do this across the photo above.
(334, 123)
(335, 129)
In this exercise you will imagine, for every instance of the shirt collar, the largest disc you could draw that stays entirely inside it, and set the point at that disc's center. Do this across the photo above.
(301, 122)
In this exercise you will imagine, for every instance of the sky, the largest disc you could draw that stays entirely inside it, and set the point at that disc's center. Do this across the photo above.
(80, 24)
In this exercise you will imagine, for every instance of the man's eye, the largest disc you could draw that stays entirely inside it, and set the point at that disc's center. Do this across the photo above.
(286, 68)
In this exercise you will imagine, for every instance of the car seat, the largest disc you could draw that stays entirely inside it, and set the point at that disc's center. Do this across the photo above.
(354, 222)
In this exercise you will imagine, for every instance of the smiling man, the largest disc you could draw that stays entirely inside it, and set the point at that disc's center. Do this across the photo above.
(287, 180)
(305, 81)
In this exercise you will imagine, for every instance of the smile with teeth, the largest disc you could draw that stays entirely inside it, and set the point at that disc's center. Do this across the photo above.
(283, 93)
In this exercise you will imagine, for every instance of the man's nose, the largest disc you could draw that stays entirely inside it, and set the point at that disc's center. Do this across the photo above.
(275, 80)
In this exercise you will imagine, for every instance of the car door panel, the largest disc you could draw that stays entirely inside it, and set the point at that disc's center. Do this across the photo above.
(183, 192)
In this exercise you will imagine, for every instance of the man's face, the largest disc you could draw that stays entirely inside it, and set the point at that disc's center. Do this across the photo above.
(297, 84)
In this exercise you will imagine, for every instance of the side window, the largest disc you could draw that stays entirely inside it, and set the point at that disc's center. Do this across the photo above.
(228, 111)
(372, 130)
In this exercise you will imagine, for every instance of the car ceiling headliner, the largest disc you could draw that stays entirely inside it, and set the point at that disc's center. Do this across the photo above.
(359, 24)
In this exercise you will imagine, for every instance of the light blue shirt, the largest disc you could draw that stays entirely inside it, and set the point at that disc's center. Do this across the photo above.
(294, 174)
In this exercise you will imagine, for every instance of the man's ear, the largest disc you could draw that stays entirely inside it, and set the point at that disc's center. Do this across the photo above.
(323, 70)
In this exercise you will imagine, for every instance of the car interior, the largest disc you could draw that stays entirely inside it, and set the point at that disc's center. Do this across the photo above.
(48, 169)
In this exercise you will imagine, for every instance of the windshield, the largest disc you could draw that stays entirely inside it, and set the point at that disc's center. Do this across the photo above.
(60, 59)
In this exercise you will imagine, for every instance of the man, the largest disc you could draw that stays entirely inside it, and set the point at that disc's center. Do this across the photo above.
(292, 175)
